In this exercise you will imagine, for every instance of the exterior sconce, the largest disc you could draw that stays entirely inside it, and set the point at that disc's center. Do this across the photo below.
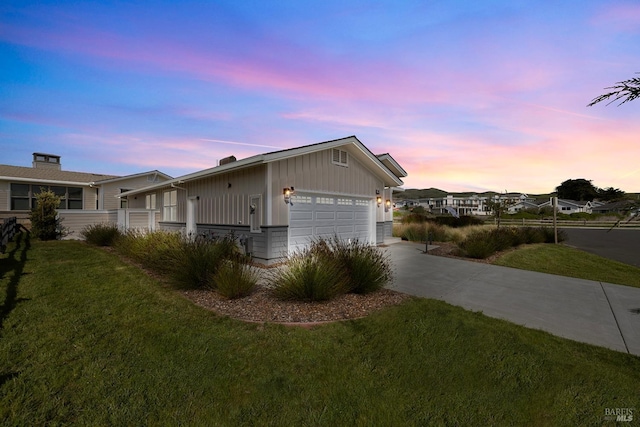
(387, 205)
(287, 193)
(379, 200)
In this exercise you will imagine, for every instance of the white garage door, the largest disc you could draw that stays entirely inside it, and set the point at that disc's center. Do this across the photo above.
(326, 216)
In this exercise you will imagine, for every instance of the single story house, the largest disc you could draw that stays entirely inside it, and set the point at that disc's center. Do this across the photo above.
(568, 207)
(86, 198)
(275, 203)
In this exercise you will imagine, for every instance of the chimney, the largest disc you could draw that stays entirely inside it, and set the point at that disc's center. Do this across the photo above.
(227, 160)
(49, 161)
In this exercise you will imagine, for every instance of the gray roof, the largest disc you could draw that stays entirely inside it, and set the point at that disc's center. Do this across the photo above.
(50, 174)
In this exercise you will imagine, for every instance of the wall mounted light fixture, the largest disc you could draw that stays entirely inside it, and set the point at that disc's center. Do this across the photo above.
(287, 193)
(379, 200)
(387, 205)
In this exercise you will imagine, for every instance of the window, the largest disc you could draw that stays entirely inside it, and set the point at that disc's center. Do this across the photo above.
(360, 202)
(124, 203)
(20, 197)
(150, 201)
(74, 197)
(170, 205)
(324, 200)
(23, 196)
(347, 202)
(339, 157)
(305, 200)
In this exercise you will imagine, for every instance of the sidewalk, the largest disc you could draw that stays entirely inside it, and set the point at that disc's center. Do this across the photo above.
(597, 313)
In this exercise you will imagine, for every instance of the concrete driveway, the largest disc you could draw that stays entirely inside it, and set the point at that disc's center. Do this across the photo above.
(588, 311)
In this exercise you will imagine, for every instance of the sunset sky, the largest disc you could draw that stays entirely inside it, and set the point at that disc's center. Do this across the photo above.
(465, 95)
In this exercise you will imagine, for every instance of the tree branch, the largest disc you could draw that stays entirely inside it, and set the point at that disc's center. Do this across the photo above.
(628, 90)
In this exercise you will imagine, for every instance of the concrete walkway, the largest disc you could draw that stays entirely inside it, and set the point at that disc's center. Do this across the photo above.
(583, 310)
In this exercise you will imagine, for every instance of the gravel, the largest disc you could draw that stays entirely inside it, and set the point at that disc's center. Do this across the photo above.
(260, 306)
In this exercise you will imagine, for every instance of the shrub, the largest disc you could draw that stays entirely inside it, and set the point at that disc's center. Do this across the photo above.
(157, 250)
(105, 234)
(414, 217)
(416, 232)
(308, 277)
(482, 244)
(532, 235)
(365, 267)
(45, 223)
(235, 279)
(549, 237)
(479, 245)
(454, 222)
(198, 260)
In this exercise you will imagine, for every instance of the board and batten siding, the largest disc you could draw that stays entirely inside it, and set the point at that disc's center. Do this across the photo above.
(315, 172)
(76, 219)
(111, 189)
(224, 198)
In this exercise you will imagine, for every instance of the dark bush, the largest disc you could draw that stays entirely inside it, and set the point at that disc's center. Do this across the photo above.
(478, 245)
(454, 222)
(413, 218)
(104, 234)
(484, 243)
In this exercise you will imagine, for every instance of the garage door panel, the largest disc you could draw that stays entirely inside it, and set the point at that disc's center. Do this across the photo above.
(301, 231)
(324, 215)
(349, 216)
(301, 216)
(362, 216)
(342, 229)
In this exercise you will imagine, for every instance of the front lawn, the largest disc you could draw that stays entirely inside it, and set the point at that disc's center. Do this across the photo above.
(565, 261)
(88, 339)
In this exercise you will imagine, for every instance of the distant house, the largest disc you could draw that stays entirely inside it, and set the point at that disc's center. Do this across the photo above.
(277, 202)
(569, 206)
(86, 198)
(619, 207)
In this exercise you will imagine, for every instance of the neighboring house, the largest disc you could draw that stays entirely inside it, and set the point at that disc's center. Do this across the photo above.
(86, 198)
(473, 204)
(566, 206)
(619, 207)
(275, 203)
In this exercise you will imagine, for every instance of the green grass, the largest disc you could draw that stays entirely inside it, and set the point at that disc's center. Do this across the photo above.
(565, 261)
(86, 339)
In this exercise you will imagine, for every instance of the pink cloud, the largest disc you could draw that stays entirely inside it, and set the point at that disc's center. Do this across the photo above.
(625, 17)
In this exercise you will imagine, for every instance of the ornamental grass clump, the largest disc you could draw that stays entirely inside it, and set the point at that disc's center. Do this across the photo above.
(308, 276)
(156, 250)
(198, 260)
(103, 234)
(365, 267)
(329, 268)
(235, 278)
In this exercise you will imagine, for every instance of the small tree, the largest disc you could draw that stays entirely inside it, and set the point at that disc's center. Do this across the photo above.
(45, 224)
(499, 206)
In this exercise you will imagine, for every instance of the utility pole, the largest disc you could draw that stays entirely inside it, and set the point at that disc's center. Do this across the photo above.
(555, 223)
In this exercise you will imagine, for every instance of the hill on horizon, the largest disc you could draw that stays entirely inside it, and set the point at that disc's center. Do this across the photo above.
(425, 193)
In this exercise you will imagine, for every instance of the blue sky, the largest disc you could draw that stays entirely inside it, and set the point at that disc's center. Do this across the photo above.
(474, 96)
